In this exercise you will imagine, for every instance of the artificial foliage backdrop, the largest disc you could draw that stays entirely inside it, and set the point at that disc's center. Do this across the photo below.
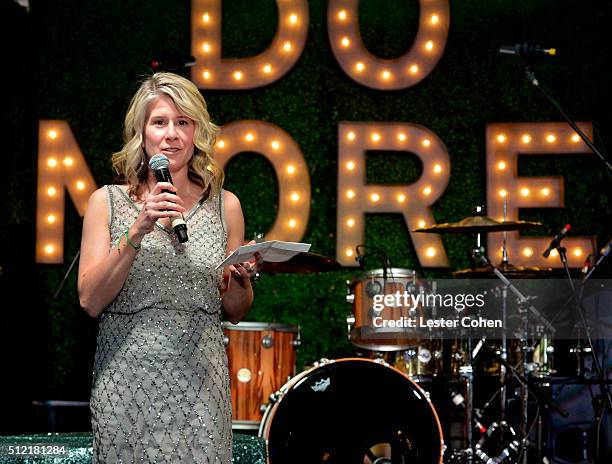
(82, 61)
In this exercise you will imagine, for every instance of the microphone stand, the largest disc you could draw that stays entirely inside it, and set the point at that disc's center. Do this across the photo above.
(534, 81)
(61, 285)
(579, 308)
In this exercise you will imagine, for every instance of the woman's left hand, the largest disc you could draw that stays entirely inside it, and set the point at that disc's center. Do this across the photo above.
(248, 270)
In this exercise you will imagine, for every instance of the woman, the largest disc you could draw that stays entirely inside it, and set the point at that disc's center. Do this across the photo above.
(161, 388)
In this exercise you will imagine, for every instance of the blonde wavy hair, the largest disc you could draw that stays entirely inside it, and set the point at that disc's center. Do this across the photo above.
(131, 163)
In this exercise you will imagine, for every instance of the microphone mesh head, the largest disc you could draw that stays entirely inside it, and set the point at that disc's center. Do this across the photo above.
(158, 161)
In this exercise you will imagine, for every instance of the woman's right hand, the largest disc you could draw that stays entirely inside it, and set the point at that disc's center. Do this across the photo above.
(157, 205)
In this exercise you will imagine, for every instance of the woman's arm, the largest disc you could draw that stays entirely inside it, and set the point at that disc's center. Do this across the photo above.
(103, 269)
(238, 296)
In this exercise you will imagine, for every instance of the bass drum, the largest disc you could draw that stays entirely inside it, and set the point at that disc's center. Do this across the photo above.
(352, 410)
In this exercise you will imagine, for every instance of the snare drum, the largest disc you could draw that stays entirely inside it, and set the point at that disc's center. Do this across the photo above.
(366, 293)
(352, 410)
(261, 358)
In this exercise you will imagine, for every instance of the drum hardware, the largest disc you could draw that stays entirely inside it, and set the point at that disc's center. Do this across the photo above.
(500, 433)
(267, 341)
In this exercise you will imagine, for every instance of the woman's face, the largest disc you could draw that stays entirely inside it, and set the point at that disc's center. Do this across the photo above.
(169, 132)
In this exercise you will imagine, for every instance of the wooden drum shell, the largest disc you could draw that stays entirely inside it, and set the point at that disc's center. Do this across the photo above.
(261, 359)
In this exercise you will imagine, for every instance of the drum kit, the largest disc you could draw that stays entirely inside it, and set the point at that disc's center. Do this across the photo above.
(403, 391)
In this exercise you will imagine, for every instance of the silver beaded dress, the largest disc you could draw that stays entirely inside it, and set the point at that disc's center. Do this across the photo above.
(160, 383)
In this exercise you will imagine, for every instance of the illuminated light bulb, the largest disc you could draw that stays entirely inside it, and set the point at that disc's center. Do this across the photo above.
(503, 193)
(554, 253)
(575, 138)
(350, 222)
(345, 42)
(437, 169)
(429, 45)
(414, 69)
(52, 134)
(435, 19)
(290, 169)
(401, 137)
(550, 138)
(359, 67)
(287, 46)
(293, 19)
(431, 252)
(527, 252)
(351, 136)
(526, 138)
(525, 192)
(375, 197)
(51, 162)
(386, 75)
(249, 137)
(349, 252)
(206, 18)
(421, 223)
(49, 249)
(51, 218)
(426, 142)
(206, 75)
(237, 75)
(350, 194)
(80, 185)
(578, 252)
(292, 223)
(51, 191)
(206, 47)
(501, 138)
(401, 198)
(221, 143)
(267, 69)
(427, 190)
(375, 137)
(502, 165)
(275, 144)
(295, 196)
(350, 165)
(342, 15)
(545, 191)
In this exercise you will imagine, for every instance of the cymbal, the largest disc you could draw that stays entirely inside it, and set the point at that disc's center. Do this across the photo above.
(509, 270)
(479, 224)
(303, 263)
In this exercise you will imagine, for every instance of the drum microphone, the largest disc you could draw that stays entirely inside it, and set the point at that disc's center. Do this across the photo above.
(605, 251)
(159, 164)
(557, 240)
(527, 50)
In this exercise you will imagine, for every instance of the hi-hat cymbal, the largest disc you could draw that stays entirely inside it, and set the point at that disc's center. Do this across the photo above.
(303, 263)
(479, 224)
(509, 270)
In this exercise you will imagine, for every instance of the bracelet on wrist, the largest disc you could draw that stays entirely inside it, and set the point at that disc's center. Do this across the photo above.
(130, 243)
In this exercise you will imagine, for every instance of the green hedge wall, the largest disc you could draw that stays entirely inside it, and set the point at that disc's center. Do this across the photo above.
(81, 61)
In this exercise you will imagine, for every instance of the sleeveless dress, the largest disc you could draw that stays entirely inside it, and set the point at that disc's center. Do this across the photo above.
(160, 383)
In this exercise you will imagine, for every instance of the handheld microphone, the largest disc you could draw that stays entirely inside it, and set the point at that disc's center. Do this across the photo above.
(527, 50)
(557, 240)
(159, 164)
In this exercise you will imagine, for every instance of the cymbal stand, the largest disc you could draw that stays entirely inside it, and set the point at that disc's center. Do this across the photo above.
(467, 373)
(525, 348)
